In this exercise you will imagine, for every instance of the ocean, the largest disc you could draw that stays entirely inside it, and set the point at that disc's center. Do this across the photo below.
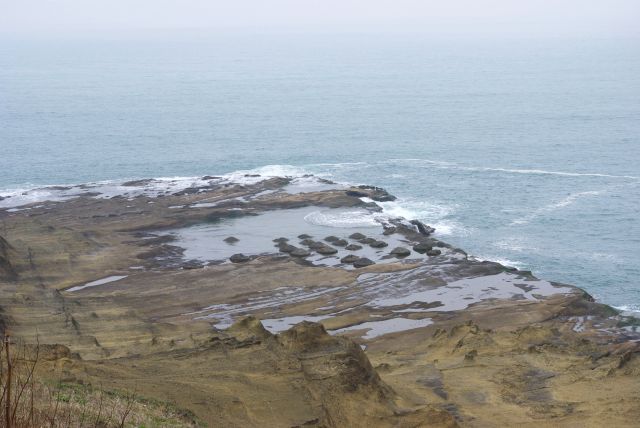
(521, 151)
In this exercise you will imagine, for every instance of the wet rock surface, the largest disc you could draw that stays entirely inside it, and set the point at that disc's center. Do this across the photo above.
(300, 252)
(350, 259)
(423, 228)
(353, 247)
(239, 258)
(423, 247)
(286, 248)
(326, 250)
(363, 262)
(150, 296)
(400, 252)
(340, 243)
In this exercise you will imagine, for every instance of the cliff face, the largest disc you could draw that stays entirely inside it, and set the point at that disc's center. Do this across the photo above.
(422, 335)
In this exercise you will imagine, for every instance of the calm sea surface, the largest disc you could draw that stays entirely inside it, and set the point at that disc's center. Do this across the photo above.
(522, 151)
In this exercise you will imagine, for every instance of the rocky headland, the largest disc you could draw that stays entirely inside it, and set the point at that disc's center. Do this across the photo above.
(241, 302)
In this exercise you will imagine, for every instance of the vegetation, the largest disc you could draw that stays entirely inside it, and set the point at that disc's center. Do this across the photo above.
(30, 402)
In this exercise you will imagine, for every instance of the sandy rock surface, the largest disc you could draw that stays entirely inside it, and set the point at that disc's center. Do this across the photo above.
(142, 293)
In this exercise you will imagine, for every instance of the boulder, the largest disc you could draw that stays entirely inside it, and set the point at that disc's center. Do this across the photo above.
(432, 253)
(239, 258)
(326, 250)
(422, 247)
(331, 238)
(192, 264)
(376, 193)
(307, 242)
(281, 239)
(316, 244)
(286, 248)
(340, 243)
(353, 247)
(357, 236)
(304, 236)
(389, 230)
(363, 262)
(367, 241)
(300, 252)
(423, 228)
(350, 259)
(378, 244)
(231, 240)
(400, 252)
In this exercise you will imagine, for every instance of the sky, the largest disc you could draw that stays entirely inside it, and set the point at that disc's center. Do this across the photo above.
(444, 17)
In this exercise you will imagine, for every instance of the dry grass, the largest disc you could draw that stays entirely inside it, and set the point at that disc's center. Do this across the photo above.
(29, 402)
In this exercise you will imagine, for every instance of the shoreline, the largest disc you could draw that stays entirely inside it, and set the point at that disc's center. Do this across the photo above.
(223, 295)
(23, 199)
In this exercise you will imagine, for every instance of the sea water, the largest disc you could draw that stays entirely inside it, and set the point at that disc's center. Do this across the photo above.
(521, 151)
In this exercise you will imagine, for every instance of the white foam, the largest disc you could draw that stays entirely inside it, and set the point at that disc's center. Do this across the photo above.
(343, 218)
(504, 262)
(102, 189)
(256, 175)
(433, 213)
(633, 310)
(20, 197)
(514, 243)
(560, 173)
(339, 164)
(421, 161)
(452, 165)
(572, 198)
(302, 181)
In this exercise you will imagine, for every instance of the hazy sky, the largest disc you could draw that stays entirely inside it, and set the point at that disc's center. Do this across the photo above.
(463, 17)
